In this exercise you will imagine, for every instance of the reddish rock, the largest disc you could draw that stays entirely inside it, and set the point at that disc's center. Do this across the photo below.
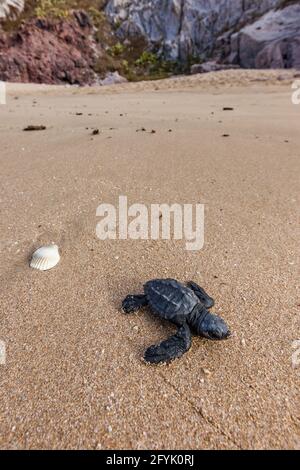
(48, 51)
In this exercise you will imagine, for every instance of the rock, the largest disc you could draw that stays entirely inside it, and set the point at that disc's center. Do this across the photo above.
(83, 19)
(35, 128)
(249, 33)
(204, 68)
(180, 29)
(11, 8)
(49, 51)
(112, 78)
(217, 34)
(273, 41)
(210, 66)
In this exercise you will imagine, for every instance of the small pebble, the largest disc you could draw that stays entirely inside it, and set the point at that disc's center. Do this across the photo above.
(34, 128)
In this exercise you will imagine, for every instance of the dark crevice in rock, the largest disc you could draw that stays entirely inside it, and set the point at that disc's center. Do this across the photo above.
(181, 19)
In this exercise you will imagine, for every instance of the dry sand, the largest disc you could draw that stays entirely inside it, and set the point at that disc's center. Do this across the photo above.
(74, 377)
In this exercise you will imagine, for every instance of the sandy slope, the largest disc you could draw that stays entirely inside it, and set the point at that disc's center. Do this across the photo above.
(74, 376)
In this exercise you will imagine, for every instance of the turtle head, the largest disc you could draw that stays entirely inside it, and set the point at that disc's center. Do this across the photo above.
(213, 327)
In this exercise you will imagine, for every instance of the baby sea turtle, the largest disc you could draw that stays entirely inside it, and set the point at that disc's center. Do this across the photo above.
(185, 306)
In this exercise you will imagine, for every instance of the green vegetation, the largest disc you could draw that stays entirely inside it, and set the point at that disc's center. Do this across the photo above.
(132, 59)
(147, 59)
(116, 50)
(98, 17)
(61, 9)
(52, 9)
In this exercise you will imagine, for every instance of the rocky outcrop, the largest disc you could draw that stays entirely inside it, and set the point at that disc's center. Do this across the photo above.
(77, 50)
(181, 29)
(249, 33)
(45, 51)
(271, 42)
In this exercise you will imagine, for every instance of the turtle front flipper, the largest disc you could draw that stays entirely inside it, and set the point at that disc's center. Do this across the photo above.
(172, 348)
(132, 303)
(204, 298)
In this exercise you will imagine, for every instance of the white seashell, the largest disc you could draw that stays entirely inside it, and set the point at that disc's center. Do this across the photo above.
(45, 257)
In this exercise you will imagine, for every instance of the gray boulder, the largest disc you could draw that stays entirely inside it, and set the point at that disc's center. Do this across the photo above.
(112, 78)
(273, 41)
(210, 66)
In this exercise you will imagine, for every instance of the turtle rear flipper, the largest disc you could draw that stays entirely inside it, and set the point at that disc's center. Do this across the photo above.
(204, 298)
(173, 347)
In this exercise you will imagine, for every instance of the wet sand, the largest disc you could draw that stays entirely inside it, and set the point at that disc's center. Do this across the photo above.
(74, 375)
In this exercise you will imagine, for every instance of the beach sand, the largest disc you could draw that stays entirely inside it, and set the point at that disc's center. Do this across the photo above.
(74, 375)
